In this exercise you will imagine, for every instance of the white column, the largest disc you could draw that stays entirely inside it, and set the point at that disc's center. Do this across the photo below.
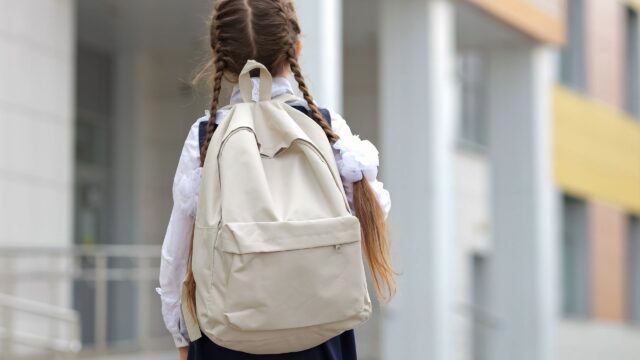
(321, 59)
(37, 118)
(523, 206)
(36, 122)
(417, 117)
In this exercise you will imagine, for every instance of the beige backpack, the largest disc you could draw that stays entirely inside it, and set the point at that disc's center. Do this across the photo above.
(276, 252)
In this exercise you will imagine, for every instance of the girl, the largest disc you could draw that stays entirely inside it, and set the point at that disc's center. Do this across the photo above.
(267, 31)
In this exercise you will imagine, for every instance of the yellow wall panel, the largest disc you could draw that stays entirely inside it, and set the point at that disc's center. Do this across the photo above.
(596, 150)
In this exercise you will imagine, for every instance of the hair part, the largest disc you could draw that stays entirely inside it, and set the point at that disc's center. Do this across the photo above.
(267, 31)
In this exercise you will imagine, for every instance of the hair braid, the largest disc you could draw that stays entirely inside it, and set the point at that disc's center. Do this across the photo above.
(217, 87)
(189, 281)
(315, 111)
(219, 64)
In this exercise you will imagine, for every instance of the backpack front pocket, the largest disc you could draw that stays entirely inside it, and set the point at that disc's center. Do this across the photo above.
(292, 274)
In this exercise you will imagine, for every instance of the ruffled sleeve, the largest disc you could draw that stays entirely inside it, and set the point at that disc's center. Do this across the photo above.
(357, 158)
(187, 192)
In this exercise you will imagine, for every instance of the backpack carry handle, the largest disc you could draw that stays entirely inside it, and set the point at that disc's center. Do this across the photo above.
(246, 86)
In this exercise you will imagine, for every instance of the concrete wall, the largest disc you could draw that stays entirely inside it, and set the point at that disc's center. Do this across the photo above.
(361, 83)
(596, 340)
(605, 50)
(167, 109)
(608, 245)
(473, 227)
(472, 237)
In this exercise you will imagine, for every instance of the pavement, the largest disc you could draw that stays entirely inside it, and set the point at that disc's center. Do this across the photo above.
(161, 355)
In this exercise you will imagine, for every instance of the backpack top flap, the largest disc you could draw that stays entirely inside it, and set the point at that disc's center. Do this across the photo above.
(269, 121)
(273, 126)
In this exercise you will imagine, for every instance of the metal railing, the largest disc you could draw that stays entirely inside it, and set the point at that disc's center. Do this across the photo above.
(50, 273)
(63, 342)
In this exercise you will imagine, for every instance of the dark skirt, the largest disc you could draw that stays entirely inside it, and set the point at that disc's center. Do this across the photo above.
(341, 347)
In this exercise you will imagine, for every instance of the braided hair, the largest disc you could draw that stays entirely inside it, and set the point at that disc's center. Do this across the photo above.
(268, 31)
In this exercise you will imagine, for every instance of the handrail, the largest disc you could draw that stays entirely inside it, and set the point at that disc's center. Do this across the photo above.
(10, 336)
(479, 315)
(38, 308)
(149, 251)
(110, 275)
(41, 342)
(98, 265)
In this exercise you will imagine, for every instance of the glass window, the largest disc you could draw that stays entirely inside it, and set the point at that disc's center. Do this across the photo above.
(481, 319)
(633, 264)
(575, 259)
(632, 78)
(473, 101)
(572, 67)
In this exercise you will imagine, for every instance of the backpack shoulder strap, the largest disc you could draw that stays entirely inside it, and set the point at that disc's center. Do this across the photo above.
(202, 126)
(202, 132)
(325, 113)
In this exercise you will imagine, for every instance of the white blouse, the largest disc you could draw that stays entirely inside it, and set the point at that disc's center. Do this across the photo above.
(355, 158)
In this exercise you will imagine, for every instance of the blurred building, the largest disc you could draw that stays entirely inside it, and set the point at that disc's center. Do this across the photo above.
(596, 157)
(509, 140)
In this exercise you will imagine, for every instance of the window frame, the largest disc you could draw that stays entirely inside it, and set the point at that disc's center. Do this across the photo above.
(572, 57)
(575, 255)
